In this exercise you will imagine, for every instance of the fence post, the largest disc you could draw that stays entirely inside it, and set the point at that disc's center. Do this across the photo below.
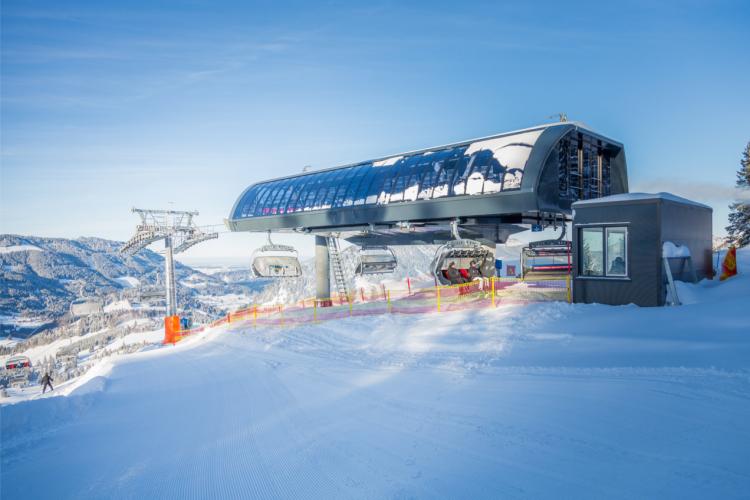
(383, 286)
(281, 313)
(567, 287)
(408, 284)
(350, 298)
(315, 310)
(255, 316)
(437, 288)
(362, 293)
(493, 291)
(389, 301)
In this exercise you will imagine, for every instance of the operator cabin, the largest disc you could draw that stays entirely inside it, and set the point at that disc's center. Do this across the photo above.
(467, 196)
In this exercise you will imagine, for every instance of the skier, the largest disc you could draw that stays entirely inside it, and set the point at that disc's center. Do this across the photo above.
(47, 382)
(474, 272)
(453, 275)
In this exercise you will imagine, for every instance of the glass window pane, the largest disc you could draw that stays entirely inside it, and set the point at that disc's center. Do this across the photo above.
(617, 263)
(340, 188)
(250, 209)
(297, 189)
(245, 208)
(322, 189)
(333, 184)
(375, 189)
(445, 179)
(592, 255)
(353, 188)
(395, 192)
(429, 178)
(421, 164)
(281, 191)
(311, 187)
(462, 172)
(476, 175)
(513, 158)
(260, 207)
(268, 206)
(361, 190)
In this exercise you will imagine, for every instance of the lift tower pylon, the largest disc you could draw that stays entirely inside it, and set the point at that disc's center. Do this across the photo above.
(179, 232)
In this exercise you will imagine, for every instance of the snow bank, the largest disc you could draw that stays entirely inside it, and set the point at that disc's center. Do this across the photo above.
(119, 305)
(128, 281)
(671, 251)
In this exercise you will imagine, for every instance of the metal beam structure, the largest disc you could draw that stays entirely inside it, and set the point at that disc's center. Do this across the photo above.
(179, 232)
(493, 186)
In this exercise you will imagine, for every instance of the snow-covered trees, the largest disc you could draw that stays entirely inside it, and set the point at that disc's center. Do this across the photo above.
(738, 230)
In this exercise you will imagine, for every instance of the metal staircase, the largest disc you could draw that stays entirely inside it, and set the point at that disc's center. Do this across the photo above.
(337, 267)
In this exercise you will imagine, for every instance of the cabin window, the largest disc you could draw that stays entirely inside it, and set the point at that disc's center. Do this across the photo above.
(604, 251)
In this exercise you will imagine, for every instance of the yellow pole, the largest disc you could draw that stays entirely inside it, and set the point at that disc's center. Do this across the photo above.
(389, 300)
(493, 291)
(437, 288)
(349, 298)
(567, 287)
(255, 316)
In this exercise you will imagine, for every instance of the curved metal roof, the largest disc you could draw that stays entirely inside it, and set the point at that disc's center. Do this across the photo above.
(494, 176)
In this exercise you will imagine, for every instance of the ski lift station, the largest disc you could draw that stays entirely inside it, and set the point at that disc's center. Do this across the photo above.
(465, 197)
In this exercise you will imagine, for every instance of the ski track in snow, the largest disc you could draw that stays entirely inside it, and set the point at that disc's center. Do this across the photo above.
(538, 401)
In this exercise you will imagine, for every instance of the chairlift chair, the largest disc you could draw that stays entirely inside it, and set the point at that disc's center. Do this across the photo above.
(375, 259)
(462, 252)
(276, 261)
(548, 259)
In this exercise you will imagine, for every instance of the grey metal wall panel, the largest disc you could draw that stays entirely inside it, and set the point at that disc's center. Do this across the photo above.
(643, 252)
(690, 225)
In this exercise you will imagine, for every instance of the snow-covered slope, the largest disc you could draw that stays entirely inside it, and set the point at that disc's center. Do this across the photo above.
(542, 401)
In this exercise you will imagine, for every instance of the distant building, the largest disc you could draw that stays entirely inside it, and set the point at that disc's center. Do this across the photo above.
(85, 306)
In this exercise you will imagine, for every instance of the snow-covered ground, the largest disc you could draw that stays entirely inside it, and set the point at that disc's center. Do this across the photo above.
(540, 401)
(128, 281)
(19, 248)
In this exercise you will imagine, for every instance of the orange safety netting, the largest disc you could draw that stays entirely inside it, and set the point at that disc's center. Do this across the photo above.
(478, 294)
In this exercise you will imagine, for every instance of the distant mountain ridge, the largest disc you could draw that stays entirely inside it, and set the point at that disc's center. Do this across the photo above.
(40, 277)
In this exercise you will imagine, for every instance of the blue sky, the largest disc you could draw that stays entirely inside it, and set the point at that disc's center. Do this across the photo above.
(109, 105)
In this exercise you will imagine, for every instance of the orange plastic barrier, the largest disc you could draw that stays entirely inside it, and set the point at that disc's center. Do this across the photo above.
(729, 266)
(171, 329)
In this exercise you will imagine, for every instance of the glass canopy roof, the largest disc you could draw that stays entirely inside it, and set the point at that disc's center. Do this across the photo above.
(483, 167)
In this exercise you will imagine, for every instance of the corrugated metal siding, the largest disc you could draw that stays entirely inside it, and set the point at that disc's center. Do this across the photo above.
(650, 223)
(643, 253)
(692, 226)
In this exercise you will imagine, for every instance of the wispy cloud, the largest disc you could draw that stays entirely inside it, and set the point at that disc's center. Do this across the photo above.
(706, 191)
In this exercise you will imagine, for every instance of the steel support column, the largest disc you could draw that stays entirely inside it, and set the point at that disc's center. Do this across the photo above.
(322, 270)
(169, 277)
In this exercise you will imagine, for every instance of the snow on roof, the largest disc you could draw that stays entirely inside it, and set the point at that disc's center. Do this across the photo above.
(625, 197)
